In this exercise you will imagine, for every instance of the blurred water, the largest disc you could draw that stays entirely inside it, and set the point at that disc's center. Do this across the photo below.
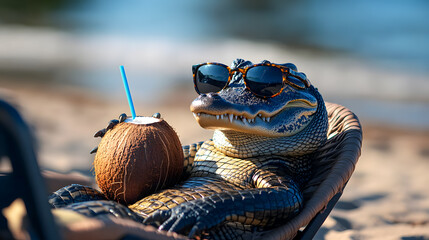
(367, 54)
(394, 32)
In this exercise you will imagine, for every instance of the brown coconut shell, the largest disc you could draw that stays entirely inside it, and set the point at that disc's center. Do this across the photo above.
(136, 160)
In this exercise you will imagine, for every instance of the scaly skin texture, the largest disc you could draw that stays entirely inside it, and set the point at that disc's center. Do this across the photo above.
(249, 177)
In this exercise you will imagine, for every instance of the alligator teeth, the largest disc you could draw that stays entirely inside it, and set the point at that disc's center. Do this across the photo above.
(232, 117)
(265, 119)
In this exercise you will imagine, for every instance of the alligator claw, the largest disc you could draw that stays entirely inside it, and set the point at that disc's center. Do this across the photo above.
(122, 117)
(111, 125)
(158, 216)
(94, 150)
(190, 217)
(196, 230)
(103, 131)
(100, 133)
(157, 115)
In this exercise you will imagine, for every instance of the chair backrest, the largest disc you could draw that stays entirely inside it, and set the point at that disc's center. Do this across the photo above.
(24, 181)
(333, 165)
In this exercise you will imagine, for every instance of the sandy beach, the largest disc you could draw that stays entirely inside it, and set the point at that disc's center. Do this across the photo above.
(386, 198)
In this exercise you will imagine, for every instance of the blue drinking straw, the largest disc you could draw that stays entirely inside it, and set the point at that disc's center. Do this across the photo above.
(127, 91)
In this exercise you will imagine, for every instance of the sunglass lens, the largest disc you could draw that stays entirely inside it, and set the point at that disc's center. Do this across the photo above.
(295, 82)
(264, 81)
(211, 78)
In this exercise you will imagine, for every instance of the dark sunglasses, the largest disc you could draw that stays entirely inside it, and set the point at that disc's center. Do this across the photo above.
(265, 80)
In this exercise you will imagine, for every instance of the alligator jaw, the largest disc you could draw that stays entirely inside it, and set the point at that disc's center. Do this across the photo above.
(287, 121)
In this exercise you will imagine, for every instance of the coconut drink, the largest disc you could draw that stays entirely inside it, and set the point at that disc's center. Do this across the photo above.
(136, 158)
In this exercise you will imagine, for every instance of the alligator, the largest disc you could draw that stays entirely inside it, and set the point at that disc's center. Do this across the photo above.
(247, 179)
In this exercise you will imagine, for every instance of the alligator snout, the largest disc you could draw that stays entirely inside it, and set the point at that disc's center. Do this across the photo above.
(209, 102)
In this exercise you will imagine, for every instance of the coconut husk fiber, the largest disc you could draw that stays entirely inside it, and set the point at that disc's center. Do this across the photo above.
(135, 160)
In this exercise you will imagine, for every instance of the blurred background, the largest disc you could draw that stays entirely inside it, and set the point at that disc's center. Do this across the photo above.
(59, 65)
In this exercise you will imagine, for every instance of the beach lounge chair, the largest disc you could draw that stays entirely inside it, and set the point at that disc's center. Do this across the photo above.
(24, 180)
(333, 164)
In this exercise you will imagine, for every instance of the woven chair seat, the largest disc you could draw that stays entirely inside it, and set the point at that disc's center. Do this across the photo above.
(333, 166)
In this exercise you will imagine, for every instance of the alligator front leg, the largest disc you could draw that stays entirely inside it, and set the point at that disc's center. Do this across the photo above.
(257, 207)
(273, 200)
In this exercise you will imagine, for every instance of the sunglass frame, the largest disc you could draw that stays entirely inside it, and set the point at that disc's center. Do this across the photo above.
(285, 72)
